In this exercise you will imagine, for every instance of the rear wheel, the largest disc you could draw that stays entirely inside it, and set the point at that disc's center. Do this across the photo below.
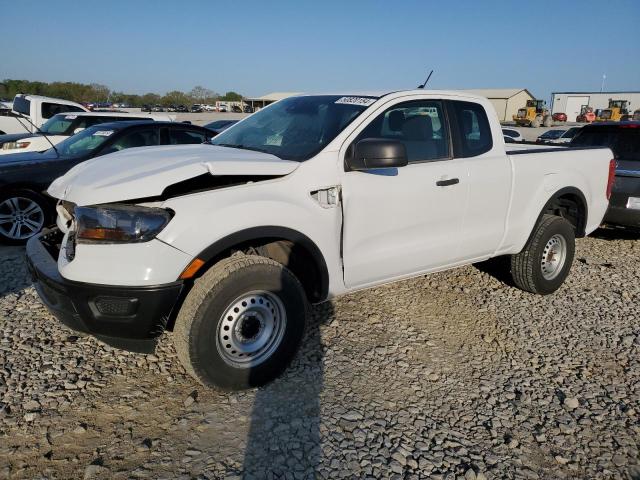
(545, 261)
(23, 214)
(241, 323)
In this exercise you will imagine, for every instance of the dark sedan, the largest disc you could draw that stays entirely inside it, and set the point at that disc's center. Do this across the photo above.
(623, 138)
(24, 177)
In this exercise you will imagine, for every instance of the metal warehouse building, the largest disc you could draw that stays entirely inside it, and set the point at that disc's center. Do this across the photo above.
(506, 101)
(571, 102)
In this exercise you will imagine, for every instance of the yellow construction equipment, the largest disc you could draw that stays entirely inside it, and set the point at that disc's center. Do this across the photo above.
(615, 112)
(533, 115)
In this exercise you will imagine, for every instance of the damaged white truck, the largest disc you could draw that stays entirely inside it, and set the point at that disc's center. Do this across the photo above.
(225, 245)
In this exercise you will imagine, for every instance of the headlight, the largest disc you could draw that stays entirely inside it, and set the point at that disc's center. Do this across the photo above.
(119, 223)
(14, 145)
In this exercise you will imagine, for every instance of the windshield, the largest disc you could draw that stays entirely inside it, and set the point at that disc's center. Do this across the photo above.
(571, 132)
(296, 128)
(58, 124)
(623, 141)
(84, 142)
(552, 134)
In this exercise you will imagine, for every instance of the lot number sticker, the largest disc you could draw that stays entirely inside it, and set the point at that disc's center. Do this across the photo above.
(363, 101)
(71, 117)
(103, 133)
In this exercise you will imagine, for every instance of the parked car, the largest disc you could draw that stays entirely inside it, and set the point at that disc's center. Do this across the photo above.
(559, 117)
(196, 108)
(515, 135)
(182, 109)
(63, 125)
(624, 140)
(563, 138)
(227, 244)
(550, 135)
(171, 108)
(24, 177)
(236, 109)
(222, 108)
(146, 108)
(248, 109)
(37, 110)
(157, 108)
(220, 125)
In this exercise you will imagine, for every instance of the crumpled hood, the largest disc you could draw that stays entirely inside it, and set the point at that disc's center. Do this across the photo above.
(146, 172)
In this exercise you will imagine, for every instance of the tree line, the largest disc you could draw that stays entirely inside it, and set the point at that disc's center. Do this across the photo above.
(95, 92)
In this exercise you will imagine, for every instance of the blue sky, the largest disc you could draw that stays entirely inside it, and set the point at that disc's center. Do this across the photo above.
(256, 47)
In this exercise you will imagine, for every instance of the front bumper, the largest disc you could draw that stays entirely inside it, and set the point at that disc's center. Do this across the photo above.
(128, 317)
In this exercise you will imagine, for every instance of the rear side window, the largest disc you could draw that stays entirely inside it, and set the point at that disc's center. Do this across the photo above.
(623, 141)
(48, 110)
(185, 137)
(473, 132)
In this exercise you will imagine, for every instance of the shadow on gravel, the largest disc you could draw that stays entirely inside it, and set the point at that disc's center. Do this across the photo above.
(14, 275)
(616, 234)
(284, 436)
(499, 268)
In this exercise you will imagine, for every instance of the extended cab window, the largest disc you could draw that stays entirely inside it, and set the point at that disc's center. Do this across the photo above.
(48, 110)
(472, 128)
(420, 125)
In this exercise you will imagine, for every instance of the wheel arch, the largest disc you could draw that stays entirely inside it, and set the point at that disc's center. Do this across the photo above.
(571, 204)
(290, 247)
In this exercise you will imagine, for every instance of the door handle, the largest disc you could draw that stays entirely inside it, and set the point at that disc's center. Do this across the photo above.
(446, 183)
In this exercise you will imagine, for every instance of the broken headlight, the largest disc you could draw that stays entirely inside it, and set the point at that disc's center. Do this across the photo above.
(119, 223)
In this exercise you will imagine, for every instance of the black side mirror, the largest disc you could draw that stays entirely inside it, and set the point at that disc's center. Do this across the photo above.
(372, 153)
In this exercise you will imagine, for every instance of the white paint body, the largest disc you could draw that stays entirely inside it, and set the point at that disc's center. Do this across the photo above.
(20, 125)
(384, 228)
(38, 143)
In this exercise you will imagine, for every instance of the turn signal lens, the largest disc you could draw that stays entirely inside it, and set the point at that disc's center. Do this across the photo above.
(612, 177)
(191, 269)
(15, 145)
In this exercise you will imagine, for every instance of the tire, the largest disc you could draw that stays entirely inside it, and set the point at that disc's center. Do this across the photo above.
(532, 270)
(231, 303)
(535, 123)
(23, 214)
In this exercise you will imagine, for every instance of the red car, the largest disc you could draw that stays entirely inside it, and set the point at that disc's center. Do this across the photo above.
(559, 117)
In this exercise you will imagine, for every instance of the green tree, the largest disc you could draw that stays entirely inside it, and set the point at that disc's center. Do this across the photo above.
(232, 97)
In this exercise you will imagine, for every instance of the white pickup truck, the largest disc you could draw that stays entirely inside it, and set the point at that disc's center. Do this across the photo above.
(314, 196)
(37, 109)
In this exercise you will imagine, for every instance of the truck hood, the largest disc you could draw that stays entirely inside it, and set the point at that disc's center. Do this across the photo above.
(146, 172)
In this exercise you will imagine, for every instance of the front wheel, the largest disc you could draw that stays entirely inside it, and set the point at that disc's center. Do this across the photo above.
(241, 323)
(544, 263)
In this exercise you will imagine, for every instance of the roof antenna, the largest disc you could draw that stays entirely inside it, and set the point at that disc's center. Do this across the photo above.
(426, 81)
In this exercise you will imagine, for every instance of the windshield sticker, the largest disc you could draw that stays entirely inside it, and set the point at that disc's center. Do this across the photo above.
(363, 101)
(103, 133)
(71, 117)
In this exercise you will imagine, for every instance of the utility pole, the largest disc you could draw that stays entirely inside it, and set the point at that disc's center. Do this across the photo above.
(604, 77)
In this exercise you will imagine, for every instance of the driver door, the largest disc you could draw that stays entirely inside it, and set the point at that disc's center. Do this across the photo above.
(402, 221)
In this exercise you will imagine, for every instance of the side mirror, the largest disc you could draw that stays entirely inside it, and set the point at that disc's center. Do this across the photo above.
(372, 153)
(78, 130)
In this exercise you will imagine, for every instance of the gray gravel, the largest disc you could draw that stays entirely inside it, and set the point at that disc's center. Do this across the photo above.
(451, 376)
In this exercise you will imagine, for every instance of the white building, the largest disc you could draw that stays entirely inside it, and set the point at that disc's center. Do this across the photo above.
(260, 102)
(506, 101)
(571, 102)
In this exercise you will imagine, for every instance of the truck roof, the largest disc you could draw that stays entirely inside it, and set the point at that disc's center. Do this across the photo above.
(384, 93)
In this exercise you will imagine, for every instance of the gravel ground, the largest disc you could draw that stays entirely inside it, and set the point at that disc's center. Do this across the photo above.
(451, 376)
